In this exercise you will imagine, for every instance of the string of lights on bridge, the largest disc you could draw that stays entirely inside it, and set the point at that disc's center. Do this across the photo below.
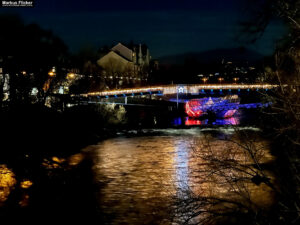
(184, 89)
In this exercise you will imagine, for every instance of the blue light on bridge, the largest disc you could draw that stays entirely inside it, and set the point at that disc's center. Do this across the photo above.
(124, 95)
(116, 96)
(239, 90)
(248, 89)
(229, 90)
(212, 90)
(106, 96)
(221, 90)
(141, 93)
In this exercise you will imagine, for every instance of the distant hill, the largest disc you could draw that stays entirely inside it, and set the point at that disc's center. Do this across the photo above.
(233, 54)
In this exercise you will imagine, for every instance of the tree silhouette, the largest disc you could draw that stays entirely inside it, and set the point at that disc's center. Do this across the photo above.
(28, 53)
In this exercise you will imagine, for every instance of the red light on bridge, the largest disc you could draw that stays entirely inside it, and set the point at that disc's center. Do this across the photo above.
(190, 108)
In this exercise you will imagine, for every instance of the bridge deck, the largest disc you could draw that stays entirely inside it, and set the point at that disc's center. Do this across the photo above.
(184, 88)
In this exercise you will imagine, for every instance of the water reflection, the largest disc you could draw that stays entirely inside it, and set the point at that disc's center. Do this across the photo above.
(7, 182)
(223, 121)
(140, 179)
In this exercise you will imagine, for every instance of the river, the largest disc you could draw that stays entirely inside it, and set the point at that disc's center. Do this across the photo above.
(168, 176)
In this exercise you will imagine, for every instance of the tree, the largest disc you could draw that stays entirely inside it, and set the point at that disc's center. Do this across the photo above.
(282, 122)
(28, 53)
(234, 185)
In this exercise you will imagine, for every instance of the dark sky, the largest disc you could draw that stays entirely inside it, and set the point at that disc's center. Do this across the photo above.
(167, 27)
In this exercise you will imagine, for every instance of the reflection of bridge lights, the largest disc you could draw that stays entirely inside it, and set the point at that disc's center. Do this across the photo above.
(192, 122)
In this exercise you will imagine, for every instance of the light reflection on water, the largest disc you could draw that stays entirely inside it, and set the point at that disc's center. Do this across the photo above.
(140, 178)
(7, 182)
(223, 121)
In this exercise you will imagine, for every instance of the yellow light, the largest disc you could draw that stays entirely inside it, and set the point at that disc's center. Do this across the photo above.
(23, 72)
(71, 76)
(51, 74)
(7, 182)
(58, 160)
(171, 89)
(26, 184)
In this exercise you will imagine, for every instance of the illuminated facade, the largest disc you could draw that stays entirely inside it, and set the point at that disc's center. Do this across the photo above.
(123, 66)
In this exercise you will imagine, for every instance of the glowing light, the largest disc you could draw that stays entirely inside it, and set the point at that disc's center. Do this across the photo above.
(71, 76)
(51, 74)
(58, 160)
(223, 107)
(7, 182)
(26, 184)
(230, 113)
(192, 108)
(220, 79)
(173, 89)
(192, 122)
(180, 89)
(235, 79)
(204, 79)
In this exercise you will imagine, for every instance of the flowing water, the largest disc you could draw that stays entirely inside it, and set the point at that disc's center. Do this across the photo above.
(146, 180)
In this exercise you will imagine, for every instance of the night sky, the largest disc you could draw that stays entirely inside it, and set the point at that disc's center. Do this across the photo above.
(167, 27)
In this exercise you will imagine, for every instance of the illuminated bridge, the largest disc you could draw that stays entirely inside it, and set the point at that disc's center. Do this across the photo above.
(193, 89)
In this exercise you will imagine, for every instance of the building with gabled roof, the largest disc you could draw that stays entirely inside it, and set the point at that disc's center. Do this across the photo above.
(123, 51)
(123, 66)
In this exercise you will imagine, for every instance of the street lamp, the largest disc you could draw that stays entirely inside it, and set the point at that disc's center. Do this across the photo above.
(235, 79)
(204, 79)
(52, 72)
(220, 79)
